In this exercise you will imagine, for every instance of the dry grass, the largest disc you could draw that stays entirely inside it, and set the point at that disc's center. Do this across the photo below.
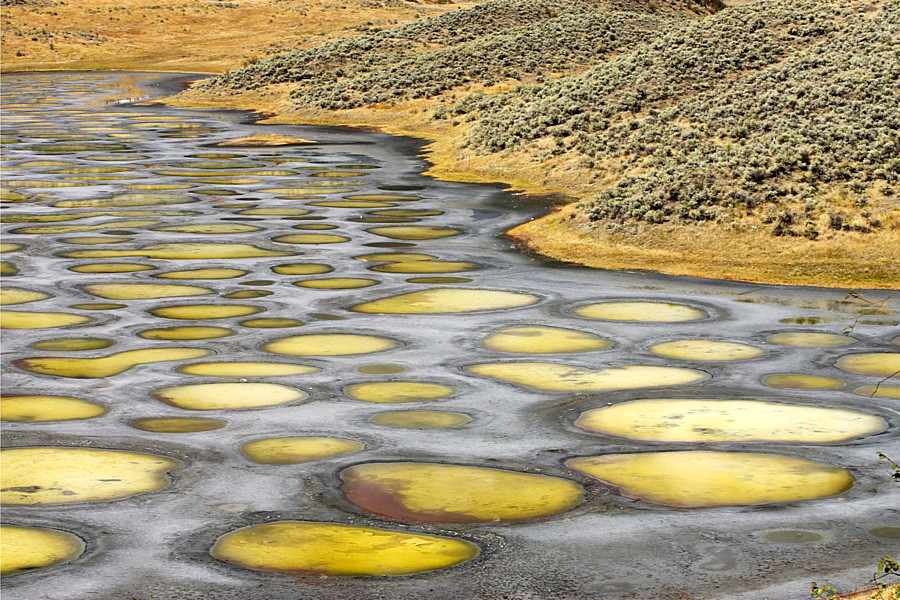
(209, 36)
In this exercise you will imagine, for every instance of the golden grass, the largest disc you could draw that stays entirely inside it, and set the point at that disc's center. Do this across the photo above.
(196, 36)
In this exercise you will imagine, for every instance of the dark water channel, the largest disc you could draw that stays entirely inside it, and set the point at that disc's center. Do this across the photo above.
(309, 371)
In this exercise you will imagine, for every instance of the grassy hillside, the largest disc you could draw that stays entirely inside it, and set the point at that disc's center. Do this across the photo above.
(760, 142)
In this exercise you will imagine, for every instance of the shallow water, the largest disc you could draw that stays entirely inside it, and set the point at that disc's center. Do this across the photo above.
(525, 376)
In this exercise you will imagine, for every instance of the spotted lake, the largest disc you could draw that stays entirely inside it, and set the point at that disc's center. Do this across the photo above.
(309, 371)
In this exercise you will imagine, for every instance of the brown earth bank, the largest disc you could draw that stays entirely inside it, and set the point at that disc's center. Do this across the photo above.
(837, 232)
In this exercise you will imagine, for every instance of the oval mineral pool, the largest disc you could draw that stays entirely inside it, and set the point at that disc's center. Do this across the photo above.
(295, 450)
(134, 199)
(204, 311)
(143, 291)
(397, 391)
(209, 273)
(382, 197)
(15, 319)
(799, 381)
(272, 323)
(98, 306)
(302, 269)
(105, 366)
(72, 344)
(310, 238)
(568, 378)
(805, 339)
(348, 204)
(14, 295)
(699, 479)
(181, 251)
(210, 228)
(40, 408)
(441, 493)
(540, 339)
(879, 391)
(177, 424)
(185, 333)
(885, 364)
(337, 283)
(887, 532)
(446, 300)
(331, 550)
(414, 232)
(94, 240)
(27, 549)
(228, 396)
(793, 536)
(649, 312)
(246, 369)
(70, 475)
(111, 268)
(330, 344)
(678, 420)
(314, 227)
(420, 419)
(426, 266)
(274, 212)
(706, 350)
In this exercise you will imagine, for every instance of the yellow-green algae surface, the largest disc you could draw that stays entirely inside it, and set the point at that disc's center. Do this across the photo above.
(686, 420)
(886, 364)
(556, 377)
(420, 419)
(177, 424)
(440, 493)
(800, 381)
(651, 312)
(228, 395)
(70, 475)
(14, 295)
(293, 450)
(16, 319)
(26, 549)
(246, 369)
(446, 300)
(541, 339)
(397, 391)
(698, 479)
(105, 366)
(330, 344)
(329, 549)
(140, 291)
(33, 408)
(707, 350)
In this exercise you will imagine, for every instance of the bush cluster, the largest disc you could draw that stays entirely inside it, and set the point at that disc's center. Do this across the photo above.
(754, 111)
(781, 112)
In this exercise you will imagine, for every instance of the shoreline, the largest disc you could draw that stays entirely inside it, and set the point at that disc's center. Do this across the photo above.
(708, 251)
